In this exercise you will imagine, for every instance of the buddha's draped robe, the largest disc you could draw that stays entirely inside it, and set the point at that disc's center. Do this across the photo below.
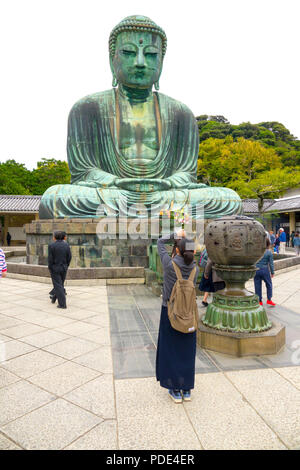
(95, 161)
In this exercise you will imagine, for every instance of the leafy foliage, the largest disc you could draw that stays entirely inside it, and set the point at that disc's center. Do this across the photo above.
(256, 160)
(248, 167)
(15, 178)
(270, 134)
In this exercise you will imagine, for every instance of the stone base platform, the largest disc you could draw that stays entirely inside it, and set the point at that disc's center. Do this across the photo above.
(103, 276)
(242, 344)
(89, 249)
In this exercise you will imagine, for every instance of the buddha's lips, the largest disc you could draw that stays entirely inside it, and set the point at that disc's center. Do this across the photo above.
(140, 74)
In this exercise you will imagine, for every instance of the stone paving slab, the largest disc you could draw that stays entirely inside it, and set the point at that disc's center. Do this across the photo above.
(63, 378)
(140, 428)
(275, 399)
(7, 444)
(101, 437)
(51, 427)
(223, 419)
(32, 363)
(20, 398)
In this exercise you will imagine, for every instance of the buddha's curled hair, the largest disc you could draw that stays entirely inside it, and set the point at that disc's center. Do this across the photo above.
(136, 23)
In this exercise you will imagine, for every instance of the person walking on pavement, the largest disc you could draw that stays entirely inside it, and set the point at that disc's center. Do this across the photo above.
(59, 258)
(282, 238)
(297, 243)
(264, 273)
(176, 351)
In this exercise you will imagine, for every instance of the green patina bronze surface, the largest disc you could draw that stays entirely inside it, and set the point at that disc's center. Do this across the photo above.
(131, 144)
(235, 244)
(237, 314)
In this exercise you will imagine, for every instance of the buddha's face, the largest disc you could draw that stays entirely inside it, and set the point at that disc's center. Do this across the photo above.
(138, 59)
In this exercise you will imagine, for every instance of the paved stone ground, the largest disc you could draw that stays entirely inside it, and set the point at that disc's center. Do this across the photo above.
(83, 378)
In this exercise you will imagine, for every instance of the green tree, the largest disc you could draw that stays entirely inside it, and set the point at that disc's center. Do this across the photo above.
(223, 161)
(14, 178)
(48, 173)
(247, 166)
(268, 184)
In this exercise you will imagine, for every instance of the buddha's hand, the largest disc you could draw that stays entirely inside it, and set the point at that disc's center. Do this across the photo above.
(196, 185)
(88, 184)
(143, 185)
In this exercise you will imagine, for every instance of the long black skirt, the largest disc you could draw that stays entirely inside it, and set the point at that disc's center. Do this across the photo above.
(175, 357)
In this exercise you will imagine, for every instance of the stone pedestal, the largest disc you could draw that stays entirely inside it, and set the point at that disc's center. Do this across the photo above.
(241, 344)
(126, 246)
(89, 250)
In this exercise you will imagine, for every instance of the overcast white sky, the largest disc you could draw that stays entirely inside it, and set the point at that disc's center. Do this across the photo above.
(237, 58)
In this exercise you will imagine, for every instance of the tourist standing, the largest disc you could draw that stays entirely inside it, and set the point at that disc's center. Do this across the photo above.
(8, 238)
(176, 351)
(292, 238)
(206, 285)
(277, 243)
(209, 272)
(296, 243)
(59, 258)
(287, 239)
(282, 238)
(272, 237)
(264, 273)
(3, 266)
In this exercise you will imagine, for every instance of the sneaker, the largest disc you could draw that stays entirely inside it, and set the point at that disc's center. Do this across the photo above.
(270, 303)
(176, 396)
(260, 303)
(186, 395)
(205, 304)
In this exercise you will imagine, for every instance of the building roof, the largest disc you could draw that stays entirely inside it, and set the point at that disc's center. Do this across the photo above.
(19, 203)
(250, 206)
(286, 204)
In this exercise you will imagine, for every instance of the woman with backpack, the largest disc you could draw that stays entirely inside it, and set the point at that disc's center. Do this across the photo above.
(176, 351)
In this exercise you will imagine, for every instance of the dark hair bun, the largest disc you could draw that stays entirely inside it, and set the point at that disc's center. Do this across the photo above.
(188, 257)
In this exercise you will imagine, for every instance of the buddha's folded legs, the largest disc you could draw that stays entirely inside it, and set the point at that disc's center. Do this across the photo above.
(72, 200)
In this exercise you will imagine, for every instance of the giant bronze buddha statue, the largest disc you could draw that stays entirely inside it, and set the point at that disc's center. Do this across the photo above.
(132, 144)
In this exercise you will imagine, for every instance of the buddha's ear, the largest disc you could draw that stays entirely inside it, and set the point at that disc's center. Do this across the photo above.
(156, 83)
(115, 81)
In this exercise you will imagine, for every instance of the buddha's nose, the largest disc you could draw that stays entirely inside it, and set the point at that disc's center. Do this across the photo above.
(140, 60)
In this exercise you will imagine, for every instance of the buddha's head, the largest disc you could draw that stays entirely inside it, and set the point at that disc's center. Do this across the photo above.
(137, 47)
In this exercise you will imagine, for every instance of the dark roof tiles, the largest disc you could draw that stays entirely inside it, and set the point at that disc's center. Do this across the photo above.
(19, 203)
(285, 205)
(250, 206)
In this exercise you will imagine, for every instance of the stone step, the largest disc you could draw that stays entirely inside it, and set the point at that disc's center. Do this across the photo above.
(79, 273)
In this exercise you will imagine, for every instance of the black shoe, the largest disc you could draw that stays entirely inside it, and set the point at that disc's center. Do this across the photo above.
(205, 304)
(53, 299)
(60, 306)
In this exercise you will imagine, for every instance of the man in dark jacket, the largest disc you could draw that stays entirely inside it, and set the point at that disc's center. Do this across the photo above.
(59, 258)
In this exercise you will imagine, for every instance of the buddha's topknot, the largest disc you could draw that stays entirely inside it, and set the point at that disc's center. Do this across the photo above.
(136, 23)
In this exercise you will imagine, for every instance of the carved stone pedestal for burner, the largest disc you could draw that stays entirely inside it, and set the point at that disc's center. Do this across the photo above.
(235, 323)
